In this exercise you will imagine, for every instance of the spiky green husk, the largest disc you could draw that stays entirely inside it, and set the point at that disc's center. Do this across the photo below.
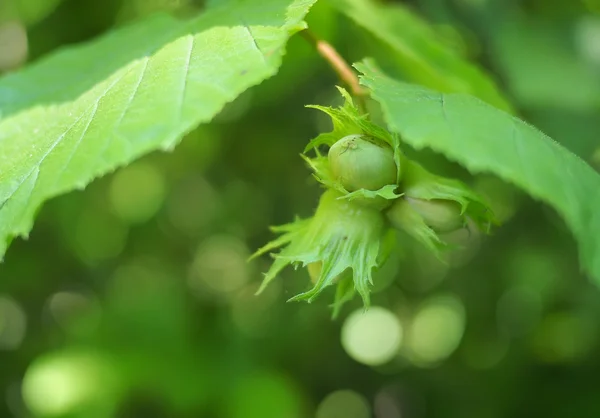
(343, 237)
(421, 184)
(349, 234)
(416, 211)
(347, 120)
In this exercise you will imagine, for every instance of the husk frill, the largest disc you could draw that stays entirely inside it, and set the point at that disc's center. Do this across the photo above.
(344, 237)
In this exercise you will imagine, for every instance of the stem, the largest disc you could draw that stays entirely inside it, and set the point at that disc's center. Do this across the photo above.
(339, 65)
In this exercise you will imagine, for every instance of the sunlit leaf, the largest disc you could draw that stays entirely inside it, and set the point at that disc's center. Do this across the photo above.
(87, 110)
(485, 139)
(419, 53)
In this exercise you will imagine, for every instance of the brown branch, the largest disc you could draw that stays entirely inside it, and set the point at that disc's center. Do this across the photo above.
(339, 65)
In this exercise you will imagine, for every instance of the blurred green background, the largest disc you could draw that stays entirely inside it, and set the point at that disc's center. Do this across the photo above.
(134, 297)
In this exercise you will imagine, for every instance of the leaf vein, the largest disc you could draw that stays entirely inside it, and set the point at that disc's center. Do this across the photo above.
(76, 147)
(247, 27)
(127, 105)
(186, 75)
(56, 143)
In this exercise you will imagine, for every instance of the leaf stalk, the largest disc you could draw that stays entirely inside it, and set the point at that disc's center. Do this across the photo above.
(339, 65)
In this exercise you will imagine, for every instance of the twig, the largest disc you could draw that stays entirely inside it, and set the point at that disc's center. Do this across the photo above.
(339, 65)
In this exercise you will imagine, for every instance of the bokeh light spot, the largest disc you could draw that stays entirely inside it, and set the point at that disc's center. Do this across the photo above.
(519, 310)
(436, 330)
(219, 265)
(59, 384)
(564, 337)
(137, 192)
(265, 394)
(98, 236)
(372, 337)
(13, 45)
(74, 312)
(587, 37)
(253, 314)
(192, 206)
(13, 324)
(596, 158)
(344, 404)
(387, 405)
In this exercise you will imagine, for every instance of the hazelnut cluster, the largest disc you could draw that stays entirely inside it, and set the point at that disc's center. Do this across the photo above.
(371, 190)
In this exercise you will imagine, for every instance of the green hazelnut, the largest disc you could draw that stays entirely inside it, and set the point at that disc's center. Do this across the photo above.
(358, 163)
(440, 215)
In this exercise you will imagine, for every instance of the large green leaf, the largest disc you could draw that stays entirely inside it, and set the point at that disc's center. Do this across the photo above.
(485, 139)
(419, 52)
(86, 110)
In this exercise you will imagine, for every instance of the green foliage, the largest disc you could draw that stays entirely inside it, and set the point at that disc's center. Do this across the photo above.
(135, 298)
(86, 110)
(485, 139)
(419, 51)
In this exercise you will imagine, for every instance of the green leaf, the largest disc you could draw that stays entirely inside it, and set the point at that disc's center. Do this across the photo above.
(485, 139)
(87, 110)
(419, 52)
